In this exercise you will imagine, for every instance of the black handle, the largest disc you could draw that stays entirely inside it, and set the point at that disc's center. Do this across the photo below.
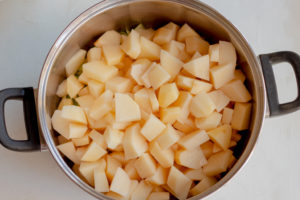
(33, 141)
(267, 60)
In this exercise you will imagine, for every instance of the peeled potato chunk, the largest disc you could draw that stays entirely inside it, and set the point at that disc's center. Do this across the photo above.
(159, 196)
(184, 32)
(69, 151)
(152, 128)
(141, 191)
(168, 94)
(145, 165)
(60, 124)
(126, 108)
(149, 49)
(165, 157)
(93, 152)
(199, 67)
(241, 116)
(99, 71)
(100, 179)
(203, 185)
(160, 176)
(111, 37)
(196, 44)
(73, 86)
(236, 91)
(222, 74)
(131, 45)
(112, 54)
(158, 76)
(86, 169)
(217, 163)
(227, 115)
(209, 122)
(75, 62)
(221, 136)
(193, 158)
(170, 63)
(193, 140)
(168, 137)
(120, 183)
(202, 105)
(74, 114)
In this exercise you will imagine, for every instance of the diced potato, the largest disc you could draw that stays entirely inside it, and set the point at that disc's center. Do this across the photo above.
(75, 62)
(227, 115)
(74, 114)
(138, 68)
(120, 183)
(184, 32)
(119, 84)
(158, 189)
(184, 82)
(131, 45)
(69, 151)
(77, 130)
(80, 152)
(203, 185)
(83, 91)
(153, 100)
(73, 86)
(214, 53)
(168, 137)
(142, 191)
(163, 35)
(112, 166)
(83, 78)
(222, 74)
(118, 155)
(93, 152)
(207, 149)
(98, 138)
(232, 161)
(134, 143)
(175, 48)
(100, 180)
(126, 108)
(60, 124)
(145, 165)
(209, 122)
(86, 169)
(145, 76)
(152, 128)
(61, 139)
(113, 138)
(114, 195)
(158, 76)
(160, 176)
(131, 171)
(111, 37)
(62, 89)
(141, 97)
(165, 157)
(196, 55)
(221, 135)
(94, 54)
(179, 183)
(217, 148)
(85, 101)
(196, 44)
(193, 139)
(101, 106)
(236, 91)
(170, 114)
(149, 49)
(241, 116)
(194, 174)
(159, 196)
(192, 158)
(112, 54)
(235, 136)
(227, 53)
(147, 33)
(183, 101)
(64, 102)
(99, 71)
(202, 105)
(95, 88)
(168, 94)
(219, 99)
(185, 126)
(238, 74)
(200, 86)
(217, 163)
(198, 67)
(170, 63)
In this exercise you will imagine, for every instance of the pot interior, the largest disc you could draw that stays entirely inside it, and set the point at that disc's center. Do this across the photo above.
(118, 15)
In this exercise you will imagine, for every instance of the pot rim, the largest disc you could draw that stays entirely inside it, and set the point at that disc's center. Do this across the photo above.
(44, 118)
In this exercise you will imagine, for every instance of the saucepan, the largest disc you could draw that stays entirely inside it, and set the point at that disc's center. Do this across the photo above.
(40, 104)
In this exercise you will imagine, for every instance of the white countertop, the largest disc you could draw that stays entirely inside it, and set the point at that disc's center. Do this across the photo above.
(29, 27)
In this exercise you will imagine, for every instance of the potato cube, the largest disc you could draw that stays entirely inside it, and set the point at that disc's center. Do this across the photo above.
(170, 63)
(194, 174)
(207, 148)
(94, 54)
(163, 35)
(61, 139)
(77, 130)
(193, 139)
(145, 165)
(69, 151)
(120, 183)
(86, 169)
(184, 82)
(183, 101)
(83, 91)
(227, 53)
(209, 122)
(227, 115)
(221, 136)
(112, 166)
(238, 74)
(160, 176)
(217, 163)
(85, 140)
(203, 185)
(113, 138)
(83, 78)
(85, 101)
(100, 180)
(111, 37)
(200, 86)
(149, 49)
(184, 32)
(219, 99)
(99, 71)
(145, 76)
(118, 155)
(112, 54)
(159, 196)
(170, 114)
(131, 171)
(119, 84)
(142, 191)
(64, 102)
(168, 94)
(134, 143)
(141, 97)
(241, 116)
(60, 124)
(202, 105)
(147, 33)
(131, 45)
(168, 137)
(192, 158)
(138, 68)
(73, 86)
(152, 128)
(179, 183)
(217, 148)
(222, 74)
(198, 67)
(214, 52)
(62, 89)
(75, 62)
(153, 100)
(175, 48)
(236, 91)
(101, 106)
(158, 76)
(93, 152)
(196, 44)
(126, 108)
(98, 138)
(74, 114)
(165, 157)
(80, 152)
(185, 126)
(95, 88)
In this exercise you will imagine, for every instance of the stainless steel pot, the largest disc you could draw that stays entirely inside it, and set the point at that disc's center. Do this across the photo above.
(118, 14)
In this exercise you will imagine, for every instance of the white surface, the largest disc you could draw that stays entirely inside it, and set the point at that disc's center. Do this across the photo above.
(29, 27)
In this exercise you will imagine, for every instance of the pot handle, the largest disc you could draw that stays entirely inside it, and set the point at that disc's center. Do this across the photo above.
(27, 96)
(267, 60)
